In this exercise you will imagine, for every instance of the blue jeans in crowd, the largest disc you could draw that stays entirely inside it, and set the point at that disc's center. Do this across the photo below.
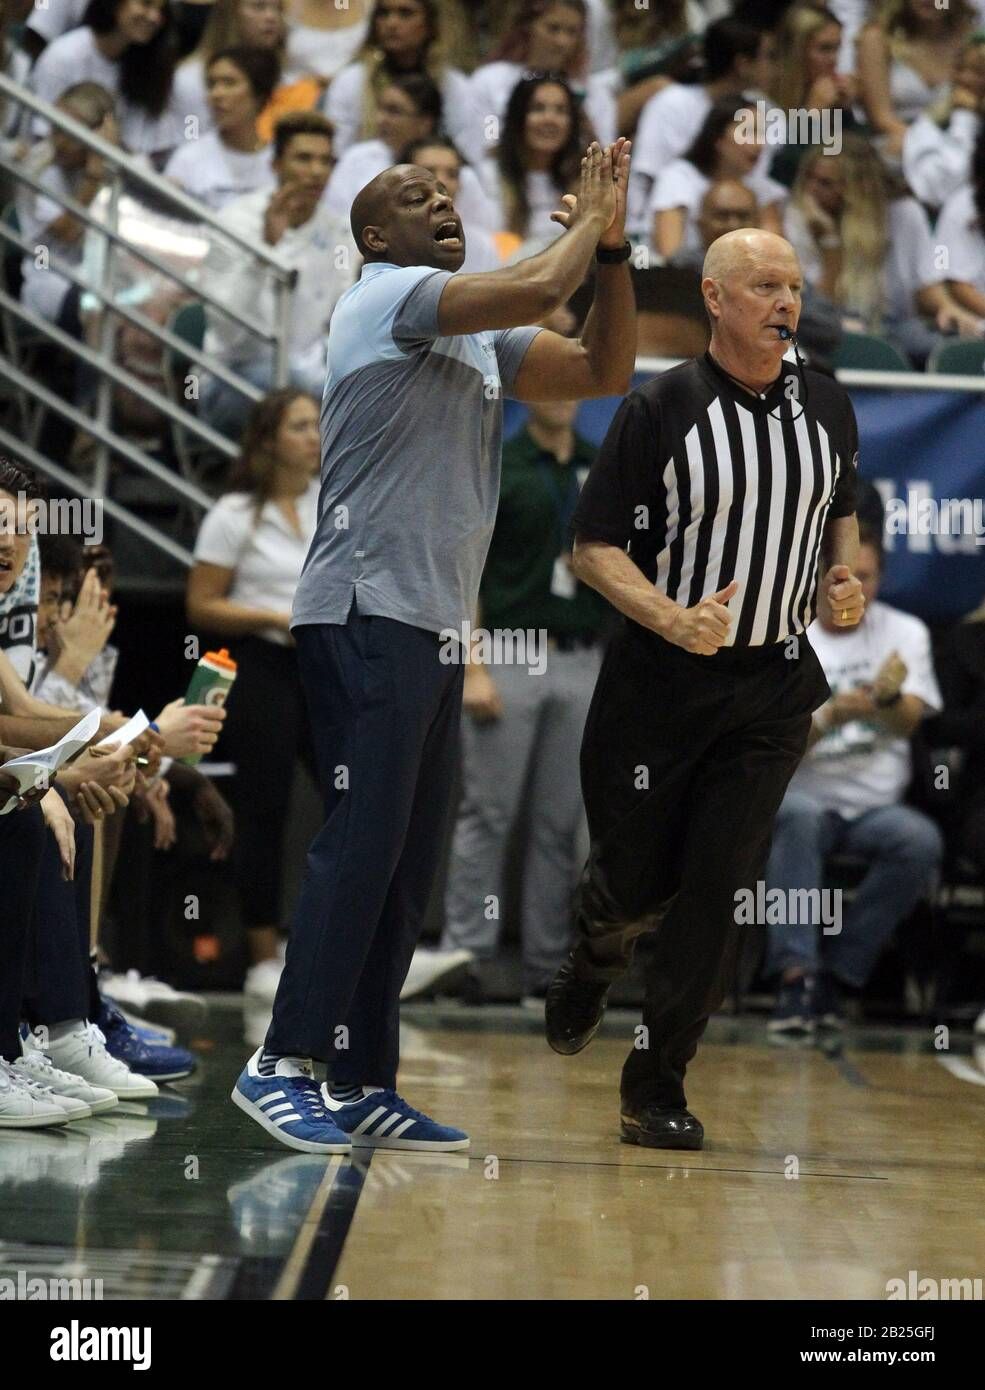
(903, 848)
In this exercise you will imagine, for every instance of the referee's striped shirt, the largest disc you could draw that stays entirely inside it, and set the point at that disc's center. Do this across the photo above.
(704, 483)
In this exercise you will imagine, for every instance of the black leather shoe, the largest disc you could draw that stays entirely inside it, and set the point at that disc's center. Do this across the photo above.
(573, 1010)
(657, 1128)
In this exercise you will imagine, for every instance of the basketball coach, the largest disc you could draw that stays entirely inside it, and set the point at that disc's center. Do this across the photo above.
(719, 517)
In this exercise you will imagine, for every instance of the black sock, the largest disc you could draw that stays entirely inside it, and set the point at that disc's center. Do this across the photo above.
(340, 1091)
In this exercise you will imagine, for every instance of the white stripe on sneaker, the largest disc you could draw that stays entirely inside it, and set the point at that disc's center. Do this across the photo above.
(278, 1108)
(286, 1119)
(370, 1119)
(400, 1128)
(392, 1119)
(265, 1100)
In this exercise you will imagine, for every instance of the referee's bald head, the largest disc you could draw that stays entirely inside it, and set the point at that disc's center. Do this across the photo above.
(741, 250)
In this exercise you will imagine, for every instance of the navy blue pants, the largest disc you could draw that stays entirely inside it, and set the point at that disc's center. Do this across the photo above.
(58, 984)
(384, 713)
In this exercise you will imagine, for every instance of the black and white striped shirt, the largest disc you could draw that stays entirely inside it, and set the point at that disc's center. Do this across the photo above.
(704, 483)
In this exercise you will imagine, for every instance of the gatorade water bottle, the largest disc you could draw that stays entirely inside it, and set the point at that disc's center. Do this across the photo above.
(210, 685)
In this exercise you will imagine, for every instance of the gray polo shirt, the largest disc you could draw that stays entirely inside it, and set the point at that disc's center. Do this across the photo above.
(411, 429)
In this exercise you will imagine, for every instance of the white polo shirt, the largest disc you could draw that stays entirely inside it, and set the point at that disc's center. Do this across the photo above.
(264, 553)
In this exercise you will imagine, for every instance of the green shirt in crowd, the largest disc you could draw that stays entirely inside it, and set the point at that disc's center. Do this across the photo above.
(526, 582)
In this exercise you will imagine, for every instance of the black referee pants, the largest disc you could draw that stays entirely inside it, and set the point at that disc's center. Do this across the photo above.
(684, 763)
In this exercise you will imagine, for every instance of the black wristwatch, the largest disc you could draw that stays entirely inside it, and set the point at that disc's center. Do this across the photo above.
(606, 257)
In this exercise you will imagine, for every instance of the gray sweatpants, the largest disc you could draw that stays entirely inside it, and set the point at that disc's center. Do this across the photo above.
(530, 754)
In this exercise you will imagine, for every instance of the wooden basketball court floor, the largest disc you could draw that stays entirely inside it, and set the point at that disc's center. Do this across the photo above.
(827, 1172)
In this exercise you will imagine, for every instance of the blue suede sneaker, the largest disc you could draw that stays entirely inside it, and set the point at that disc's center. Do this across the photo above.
(158, 1062)
(384, 1120)
(290, 1106)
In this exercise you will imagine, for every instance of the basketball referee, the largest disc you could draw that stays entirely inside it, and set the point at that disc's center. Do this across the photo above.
(719, 517)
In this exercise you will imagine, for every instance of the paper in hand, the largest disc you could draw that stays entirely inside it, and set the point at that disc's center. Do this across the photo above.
(131, 730)
(34, 769)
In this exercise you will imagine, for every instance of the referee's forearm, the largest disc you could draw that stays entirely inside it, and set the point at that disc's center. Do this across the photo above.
(609, 335)
(839, 545)
(617, 578)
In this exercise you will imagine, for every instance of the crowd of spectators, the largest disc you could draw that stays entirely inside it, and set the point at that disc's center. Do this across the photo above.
(855, 129)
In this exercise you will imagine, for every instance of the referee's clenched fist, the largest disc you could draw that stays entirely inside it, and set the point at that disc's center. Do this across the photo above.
(705, 627)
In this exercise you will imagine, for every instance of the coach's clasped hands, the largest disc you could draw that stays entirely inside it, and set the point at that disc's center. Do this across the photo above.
(841, 594)
(602, 192)
(705, 627)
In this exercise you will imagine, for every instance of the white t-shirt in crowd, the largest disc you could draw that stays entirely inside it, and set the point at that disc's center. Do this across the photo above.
(909, 265)
(215, 174)
(49, 21)
(360, 163)
(860, 766)
(190, 92)
(683, 185)
(343, 105)
(321, 250)
(491, 86)
(75, 58)
(480, 250)
(264, 553)
(936, 159)
(603, 50)
(44, 290)
(543, 198)
(667, 126)
(322, 52)
(958, 229)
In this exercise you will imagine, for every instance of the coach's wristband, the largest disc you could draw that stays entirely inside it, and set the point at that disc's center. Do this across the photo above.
(607, 257)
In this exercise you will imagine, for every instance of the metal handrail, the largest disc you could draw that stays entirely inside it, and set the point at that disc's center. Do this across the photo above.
(112, 509)
(140, 173)
(106, 435)
(129, 174)
(121, 377)
(171, 340)
(83, 214)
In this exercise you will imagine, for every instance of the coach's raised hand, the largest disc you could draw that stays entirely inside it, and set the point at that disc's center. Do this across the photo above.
(602, 193)
(705, 627)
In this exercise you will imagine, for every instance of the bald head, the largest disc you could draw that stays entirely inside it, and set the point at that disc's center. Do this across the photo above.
(740, 251)
(370, 204)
